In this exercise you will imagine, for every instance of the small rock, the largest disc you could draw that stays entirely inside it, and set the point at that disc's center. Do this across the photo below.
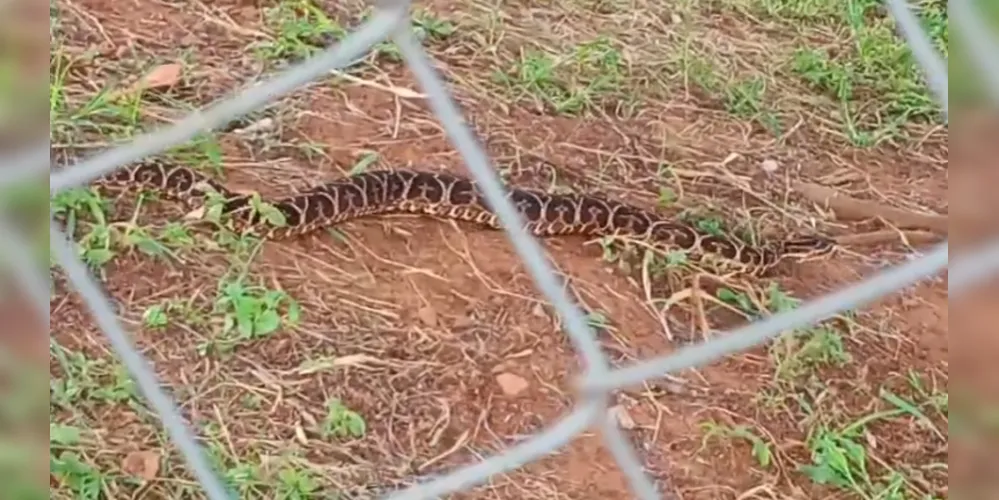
(262, 125)
(142, 464)
(511, 384)
(300, 435)
(620, 415)
(674, 388)
(770, 166)
(165, 75)
(427, 315)
(539, 311)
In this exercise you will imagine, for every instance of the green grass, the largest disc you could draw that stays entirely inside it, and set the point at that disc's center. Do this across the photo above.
(242, 310)
(22, 407)
(966, 85)
(301, 28)
(863, 67)
(841, 60)
(840, 442)
(591, 73)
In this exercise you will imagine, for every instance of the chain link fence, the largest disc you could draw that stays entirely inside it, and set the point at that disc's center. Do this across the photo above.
(390, 22)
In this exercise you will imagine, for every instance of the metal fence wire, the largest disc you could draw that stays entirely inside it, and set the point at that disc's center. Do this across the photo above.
(390, 22)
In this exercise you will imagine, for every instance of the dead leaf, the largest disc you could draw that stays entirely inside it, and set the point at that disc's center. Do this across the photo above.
(196, 214)
(142, 464)
(164, 75)
(770, 166)
(511, 384)
(427, 315)
(871, 440)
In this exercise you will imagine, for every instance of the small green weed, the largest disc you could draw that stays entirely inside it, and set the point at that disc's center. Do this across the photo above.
(184, 310)
(103, 240)
(589, 74)
(762, 451)
(90, 380)
(296, 484)
(426, 27)
(76, 474)
(302, 29)
(252, 312)
(840, 458)
(341, 421)
(746, 99)
(242, 476)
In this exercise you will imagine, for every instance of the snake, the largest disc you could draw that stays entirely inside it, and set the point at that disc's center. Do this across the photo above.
(450, 196)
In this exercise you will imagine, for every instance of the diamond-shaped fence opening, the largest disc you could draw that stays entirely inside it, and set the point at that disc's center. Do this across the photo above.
(598, 379)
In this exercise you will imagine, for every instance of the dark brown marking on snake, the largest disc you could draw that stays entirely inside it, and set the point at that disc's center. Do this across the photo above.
(440, 194)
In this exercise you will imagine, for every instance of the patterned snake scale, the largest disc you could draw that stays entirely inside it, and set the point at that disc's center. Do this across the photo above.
(449, 196)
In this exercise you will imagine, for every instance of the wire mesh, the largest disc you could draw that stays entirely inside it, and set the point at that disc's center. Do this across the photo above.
(598, 379)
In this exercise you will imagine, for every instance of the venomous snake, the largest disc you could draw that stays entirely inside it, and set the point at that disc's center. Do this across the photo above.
(449, 196)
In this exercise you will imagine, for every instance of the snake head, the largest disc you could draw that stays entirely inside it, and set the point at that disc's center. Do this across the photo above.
(805, 248)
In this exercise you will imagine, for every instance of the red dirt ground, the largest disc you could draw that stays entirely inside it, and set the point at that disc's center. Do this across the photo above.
(432, 311)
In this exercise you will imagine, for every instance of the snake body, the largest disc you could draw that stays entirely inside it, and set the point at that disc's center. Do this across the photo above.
(450, 196)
